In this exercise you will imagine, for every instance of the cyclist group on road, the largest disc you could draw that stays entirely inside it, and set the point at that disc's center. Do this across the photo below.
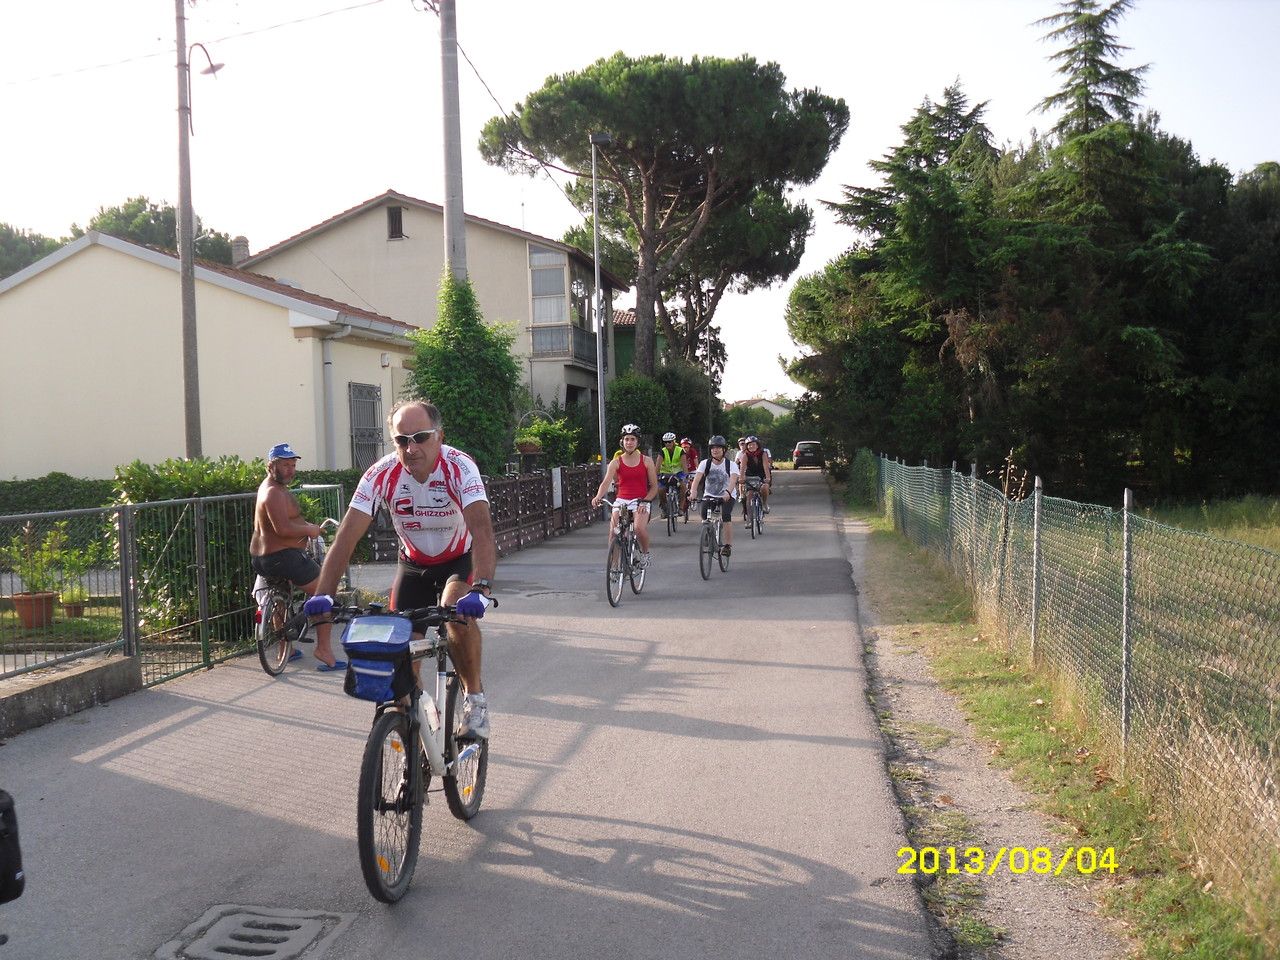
(436, 499)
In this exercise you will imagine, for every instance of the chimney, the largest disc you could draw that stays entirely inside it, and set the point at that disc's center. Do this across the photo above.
(239, 250)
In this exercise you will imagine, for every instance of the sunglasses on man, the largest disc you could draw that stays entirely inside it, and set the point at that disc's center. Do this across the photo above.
(421, 437)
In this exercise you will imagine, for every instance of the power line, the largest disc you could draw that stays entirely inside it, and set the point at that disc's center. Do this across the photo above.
(167, 52)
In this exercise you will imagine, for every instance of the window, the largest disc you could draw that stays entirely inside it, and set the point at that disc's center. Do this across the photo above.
(395, 223)
(547, 284)
(365, 401)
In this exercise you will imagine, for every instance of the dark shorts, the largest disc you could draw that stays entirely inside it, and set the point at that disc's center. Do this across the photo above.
(726, 510)
(417, 586)
(288, 564)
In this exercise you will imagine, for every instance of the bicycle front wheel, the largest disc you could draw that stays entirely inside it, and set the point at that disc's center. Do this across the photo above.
(751, 516)
(274, 645)
(613, 572)
(706, 547)
(720, 554)
(673, 508)
(468, 760)
(389, 807)
(635, 571)
(759, 508)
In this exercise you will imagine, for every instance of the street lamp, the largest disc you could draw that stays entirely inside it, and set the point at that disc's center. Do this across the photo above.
(598, 140)
(187, 237)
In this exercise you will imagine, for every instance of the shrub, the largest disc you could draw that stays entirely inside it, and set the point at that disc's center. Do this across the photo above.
(557, 438)
(864, 480)
(635, 399)
(56, 491)
(466, 369)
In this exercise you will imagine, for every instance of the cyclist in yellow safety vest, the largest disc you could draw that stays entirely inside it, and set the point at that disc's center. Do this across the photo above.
(670, 463)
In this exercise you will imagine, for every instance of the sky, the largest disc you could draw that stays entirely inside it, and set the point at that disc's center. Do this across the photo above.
(323, 104)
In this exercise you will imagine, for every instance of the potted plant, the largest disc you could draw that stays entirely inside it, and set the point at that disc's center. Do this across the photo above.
(33, 558)
(75, 598)
(527, 441)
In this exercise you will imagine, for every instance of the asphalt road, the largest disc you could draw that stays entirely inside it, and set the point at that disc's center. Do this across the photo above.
(695, 774)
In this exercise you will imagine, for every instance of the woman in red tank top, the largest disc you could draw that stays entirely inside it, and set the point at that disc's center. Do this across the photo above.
(637, 480)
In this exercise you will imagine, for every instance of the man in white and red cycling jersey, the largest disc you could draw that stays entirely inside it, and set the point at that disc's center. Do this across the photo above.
(637, 479)
(447, 555)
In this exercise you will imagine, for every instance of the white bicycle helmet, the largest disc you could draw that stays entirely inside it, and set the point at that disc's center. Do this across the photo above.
(668, 437)
(630, 429)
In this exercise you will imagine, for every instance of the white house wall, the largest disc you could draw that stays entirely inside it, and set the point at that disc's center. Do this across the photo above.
(92, 346)
(82, 360)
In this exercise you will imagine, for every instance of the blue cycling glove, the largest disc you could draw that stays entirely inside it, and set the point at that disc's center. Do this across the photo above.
(318, 605)
(473, 605)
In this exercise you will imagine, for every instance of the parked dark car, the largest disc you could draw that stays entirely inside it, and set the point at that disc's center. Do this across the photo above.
(808, 453)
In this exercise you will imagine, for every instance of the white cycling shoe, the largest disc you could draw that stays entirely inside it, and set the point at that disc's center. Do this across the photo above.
(474, 721)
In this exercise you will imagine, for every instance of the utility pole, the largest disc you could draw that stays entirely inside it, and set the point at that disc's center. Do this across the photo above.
(455, 227)
(187, 247)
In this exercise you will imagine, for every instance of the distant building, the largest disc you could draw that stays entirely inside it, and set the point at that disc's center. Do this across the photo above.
(762, 403)
(388, 254)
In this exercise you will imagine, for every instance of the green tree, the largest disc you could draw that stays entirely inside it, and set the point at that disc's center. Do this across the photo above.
(19, 249)
(690, 140)
(141, 221)
(634, 398)
(690, 397)
(465, 367)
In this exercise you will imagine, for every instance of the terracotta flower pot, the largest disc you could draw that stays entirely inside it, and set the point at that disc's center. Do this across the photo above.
(35, 610)
(529, 447)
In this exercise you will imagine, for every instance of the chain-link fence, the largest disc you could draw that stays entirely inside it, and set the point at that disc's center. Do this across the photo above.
(1171, 638)
(168, 582)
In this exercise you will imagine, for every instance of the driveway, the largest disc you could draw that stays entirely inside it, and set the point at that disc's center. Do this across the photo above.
(694, 774)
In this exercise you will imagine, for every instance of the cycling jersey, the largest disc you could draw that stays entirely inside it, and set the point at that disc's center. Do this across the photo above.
(427, 516)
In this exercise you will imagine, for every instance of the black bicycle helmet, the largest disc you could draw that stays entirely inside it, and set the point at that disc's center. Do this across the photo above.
(717, 441)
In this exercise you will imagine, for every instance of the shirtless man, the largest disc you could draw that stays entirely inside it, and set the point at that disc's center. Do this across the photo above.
(280, 533)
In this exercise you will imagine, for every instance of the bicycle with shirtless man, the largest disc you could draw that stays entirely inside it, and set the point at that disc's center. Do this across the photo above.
(278, 549)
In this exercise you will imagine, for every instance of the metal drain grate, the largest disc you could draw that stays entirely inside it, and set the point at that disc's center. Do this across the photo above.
(232, 932)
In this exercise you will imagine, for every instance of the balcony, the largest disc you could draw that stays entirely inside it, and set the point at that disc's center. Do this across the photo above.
(564, 341)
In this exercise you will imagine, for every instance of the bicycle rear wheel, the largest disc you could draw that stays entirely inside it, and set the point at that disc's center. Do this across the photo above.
(468, 760)
(273, 641)
(389, 807)
(613, 572)
(706, 547)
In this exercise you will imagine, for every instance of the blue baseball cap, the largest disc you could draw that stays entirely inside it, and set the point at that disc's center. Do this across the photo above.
(282, 451)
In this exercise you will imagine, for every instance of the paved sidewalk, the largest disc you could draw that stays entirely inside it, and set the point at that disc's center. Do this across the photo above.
(694, 774)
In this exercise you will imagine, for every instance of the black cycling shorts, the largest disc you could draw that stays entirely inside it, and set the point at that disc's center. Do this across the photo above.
(726, 510)
(417, 586)
(288, 564)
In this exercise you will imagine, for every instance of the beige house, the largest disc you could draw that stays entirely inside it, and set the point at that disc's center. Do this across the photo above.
(91, 365)
(387, 254)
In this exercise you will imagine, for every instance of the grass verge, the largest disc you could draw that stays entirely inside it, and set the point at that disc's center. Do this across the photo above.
(1038, 729)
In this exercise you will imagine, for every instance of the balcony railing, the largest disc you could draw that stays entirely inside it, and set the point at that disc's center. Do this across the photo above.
(554, 341)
